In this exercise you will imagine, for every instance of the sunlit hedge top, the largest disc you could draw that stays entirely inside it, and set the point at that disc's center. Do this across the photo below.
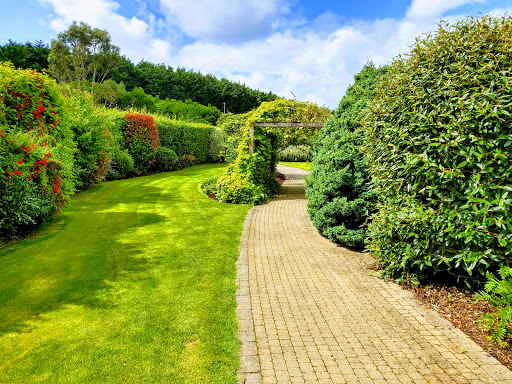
(440, 134)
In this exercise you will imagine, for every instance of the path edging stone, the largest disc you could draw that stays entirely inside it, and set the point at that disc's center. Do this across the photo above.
(250, 370)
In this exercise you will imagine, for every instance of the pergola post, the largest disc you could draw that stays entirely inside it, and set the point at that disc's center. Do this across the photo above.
(251, 136)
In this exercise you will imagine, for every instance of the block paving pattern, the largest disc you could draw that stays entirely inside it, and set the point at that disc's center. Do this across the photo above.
(311, 311)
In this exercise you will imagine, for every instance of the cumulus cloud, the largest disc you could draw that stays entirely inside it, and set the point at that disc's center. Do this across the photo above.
(421, 9)
(225, 20)
(314, 67)
(258, 43)
(132, 35)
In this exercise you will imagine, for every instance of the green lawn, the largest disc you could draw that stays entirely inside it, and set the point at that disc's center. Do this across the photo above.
(134, 283)
(297, 164)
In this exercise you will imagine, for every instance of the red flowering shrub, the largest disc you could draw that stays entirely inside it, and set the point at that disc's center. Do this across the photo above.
(36, 150)
(141, 136)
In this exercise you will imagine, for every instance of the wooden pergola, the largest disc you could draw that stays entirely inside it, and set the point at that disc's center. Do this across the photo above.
(315, 124)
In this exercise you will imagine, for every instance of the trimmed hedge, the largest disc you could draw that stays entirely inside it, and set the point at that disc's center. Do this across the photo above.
(185, 138)
(439, 139)
(296, 153)
(338, 192)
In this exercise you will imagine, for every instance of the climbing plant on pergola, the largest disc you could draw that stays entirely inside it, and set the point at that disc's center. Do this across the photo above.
(251, 178)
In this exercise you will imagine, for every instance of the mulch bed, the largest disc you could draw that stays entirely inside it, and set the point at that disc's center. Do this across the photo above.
(456, 305)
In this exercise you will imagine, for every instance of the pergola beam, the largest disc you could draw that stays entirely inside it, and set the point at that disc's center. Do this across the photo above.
(315, 124)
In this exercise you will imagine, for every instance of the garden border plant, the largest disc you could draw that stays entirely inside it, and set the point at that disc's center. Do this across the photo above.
(36, 150)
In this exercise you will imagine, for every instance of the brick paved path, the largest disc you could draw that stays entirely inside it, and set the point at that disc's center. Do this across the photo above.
(310, 312)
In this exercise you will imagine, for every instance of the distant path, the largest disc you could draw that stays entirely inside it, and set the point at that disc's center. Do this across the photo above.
(318, 316)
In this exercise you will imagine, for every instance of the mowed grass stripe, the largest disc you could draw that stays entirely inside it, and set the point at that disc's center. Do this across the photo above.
(133, 283)
(298, 164)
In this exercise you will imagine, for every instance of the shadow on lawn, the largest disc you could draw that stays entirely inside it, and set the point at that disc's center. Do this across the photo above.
(82, 258)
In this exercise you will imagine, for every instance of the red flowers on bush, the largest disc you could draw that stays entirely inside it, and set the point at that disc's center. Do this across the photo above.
(142, 141)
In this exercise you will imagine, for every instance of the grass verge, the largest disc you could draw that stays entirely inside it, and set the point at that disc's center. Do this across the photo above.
(134, 283)
(297, 164)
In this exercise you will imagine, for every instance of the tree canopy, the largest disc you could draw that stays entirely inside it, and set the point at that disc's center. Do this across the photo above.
(82, 53)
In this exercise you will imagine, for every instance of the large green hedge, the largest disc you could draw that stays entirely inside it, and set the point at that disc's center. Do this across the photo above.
(439, 140)
(185, 138)
(339, 196)
(53, 139)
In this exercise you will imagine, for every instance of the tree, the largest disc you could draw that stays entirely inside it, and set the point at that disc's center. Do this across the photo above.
(26, 56)
(82, 53)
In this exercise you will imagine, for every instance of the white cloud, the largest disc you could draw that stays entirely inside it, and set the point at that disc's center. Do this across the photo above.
(313, 67)
(421, 9)
(225, 20)
(133, 35)
(315, 64)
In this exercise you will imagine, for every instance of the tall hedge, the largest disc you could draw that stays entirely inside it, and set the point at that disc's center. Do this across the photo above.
(439, 139)
(185, 138)
(36, 150)
(338, 192)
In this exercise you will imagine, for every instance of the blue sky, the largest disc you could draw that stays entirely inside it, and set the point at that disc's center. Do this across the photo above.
(311, 48)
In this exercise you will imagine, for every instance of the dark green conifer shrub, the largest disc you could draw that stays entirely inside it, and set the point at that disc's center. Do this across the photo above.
(439, 139)
(165, 159)
(339, 196)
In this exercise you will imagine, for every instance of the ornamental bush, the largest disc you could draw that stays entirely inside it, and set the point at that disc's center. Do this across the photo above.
(141, 136)
(165, 160)
(36, 150)
(93, 139)
(439, 139)
(121, 165)
(338, 192)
